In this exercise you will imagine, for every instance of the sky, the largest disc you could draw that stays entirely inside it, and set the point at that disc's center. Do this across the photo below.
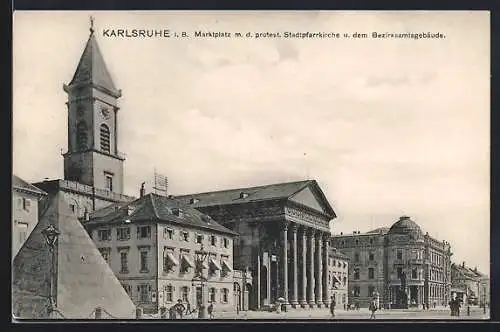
(386, 126)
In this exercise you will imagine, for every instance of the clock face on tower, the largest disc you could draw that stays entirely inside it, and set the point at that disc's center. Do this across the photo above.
(105, 113)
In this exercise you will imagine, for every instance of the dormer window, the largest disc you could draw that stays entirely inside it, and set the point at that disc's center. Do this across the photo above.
(243, 194)
(177, 212)
(193, 200)
(130, 210)
(206, 218)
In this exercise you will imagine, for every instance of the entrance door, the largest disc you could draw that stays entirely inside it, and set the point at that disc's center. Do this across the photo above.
(199, 296)
(413, 295)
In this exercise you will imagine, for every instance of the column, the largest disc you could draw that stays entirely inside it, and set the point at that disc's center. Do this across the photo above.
(303, 300)
(255, 234)
(295, 296)
(319, 269)
(326, 290)
(310, 279)
(284, 234)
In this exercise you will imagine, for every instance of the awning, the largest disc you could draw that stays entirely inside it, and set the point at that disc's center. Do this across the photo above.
(214, 263)
(226, 265)
(187, 260)
(172, 259)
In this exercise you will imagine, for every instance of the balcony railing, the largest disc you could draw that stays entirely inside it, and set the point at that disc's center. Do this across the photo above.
(99, 193)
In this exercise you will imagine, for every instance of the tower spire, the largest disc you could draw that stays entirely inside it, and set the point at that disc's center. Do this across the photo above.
(91, 25)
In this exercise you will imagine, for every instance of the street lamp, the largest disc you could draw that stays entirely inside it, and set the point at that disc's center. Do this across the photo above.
(51, 234)
(484, 300)
(201, 280)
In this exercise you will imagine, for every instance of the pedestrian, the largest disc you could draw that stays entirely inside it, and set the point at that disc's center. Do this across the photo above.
(188, 308)
(171, 312)
(210, 310)
(332, 306)
(373, 308)
(180, 308)
(452, 308)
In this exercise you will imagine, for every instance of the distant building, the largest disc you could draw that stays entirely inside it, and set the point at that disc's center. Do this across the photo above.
(338, 277)
(469, 283)
(25, 199)
(385, 259)
(284, 239)
(151, 245)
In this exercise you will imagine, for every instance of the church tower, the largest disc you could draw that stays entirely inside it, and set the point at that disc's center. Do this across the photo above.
(92, 157)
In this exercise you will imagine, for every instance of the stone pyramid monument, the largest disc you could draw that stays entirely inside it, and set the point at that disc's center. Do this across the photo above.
(84, 279)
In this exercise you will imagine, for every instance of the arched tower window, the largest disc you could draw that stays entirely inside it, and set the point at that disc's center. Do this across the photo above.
(81, 135)
(105, 146)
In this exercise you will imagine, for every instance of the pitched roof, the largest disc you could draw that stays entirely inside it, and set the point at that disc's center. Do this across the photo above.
(18, 183)
(338, 254)
(84, 279)
(254, 194)
(157, 208)
(468, 273)
(92, 67)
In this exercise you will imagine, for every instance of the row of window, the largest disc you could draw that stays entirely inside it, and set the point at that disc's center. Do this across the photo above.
(24, 203)
(169, 294)
(169, 233)
(143, 259)
(371, 256)
(184, 264)
(356, 241)
(170, 263)
(356, 291)
(338, 263)
(371, 273)
(144, 232)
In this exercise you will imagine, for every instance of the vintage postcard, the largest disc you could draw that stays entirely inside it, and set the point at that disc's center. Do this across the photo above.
(240, 165)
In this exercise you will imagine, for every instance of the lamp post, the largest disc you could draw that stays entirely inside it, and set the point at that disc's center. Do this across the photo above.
(51, 234)
(484, 300)
(199, 279)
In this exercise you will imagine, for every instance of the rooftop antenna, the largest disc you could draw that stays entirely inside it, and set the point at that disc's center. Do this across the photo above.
(307, 165)
(91, 25)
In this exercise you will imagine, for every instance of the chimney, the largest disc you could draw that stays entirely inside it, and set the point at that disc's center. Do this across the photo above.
(353, 232)
(463, 264)
(142, 191)
(243, 195)
(341, 233)
(475, 269)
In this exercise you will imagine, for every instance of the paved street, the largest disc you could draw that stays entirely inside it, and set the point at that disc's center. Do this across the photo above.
(362, 314)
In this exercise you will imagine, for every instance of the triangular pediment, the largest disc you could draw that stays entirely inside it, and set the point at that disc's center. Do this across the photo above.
(84, 279)
(312, 197)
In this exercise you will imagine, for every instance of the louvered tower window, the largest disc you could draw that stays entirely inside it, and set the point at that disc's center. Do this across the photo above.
(81, 135)
(105, 146)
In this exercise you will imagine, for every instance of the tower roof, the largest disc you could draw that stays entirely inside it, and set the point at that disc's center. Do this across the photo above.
(92, 69)
(405, 226)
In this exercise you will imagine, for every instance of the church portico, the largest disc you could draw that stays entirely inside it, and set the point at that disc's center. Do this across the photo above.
(287, 226)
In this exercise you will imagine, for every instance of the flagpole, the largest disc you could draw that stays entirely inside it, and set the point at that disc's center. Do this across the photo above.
(154, 176)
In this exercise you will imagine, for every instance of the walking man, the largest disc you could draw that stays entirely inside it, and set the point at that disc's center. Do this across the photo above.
(332, 306)
(373, 308)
